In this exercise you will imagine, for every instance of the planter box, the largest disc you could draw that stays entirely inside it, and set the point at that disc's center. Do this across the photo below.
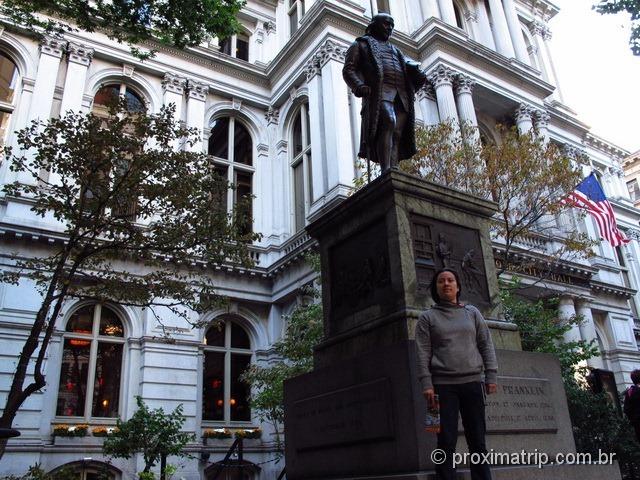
(78, 441)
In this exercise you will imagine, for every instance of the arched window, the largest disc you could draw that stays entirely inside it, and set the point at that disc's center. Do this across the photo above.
(111, 91)
(301, 166)
(9, 77)
(87, 470)
(227, 354)
(90, 374)
(235, 163)
(457, 10)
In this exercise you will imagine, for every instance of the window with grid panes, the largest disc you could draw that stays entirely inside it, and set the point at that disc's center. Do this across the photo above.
(301, 166)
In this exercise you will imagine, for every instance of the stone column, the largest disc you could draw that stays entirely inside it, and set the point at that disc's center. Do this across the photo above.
(542, 124)
(588, 329)
(45, 83)
(566, 310)
(337, 128)
(196, 101)
(501, 30)
(316, 117)
(484, 27)
(513, 23)
(442, 80)
(541, 34)
(173, 87)
(471, 17)
(447, 13)
(429, 9)
(79, 57)
(274, 192)
(428, 104)
(524, 118)
(464, 100)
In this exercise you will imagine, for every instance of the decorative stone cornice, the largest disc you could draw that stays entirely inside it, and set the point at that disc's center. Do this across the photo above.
(272, 115)
(53, 46)
(173, 83)
(330, 50)
(537, 28)
(464, 84)
(197, 90)
(270, 27)
(523, 112)
(442, 76)
(427, 91)
(78, 53)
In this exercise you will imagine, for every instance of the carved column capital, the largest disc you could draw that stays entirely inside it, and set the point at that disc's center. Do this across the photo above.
(442, 76)
(272, 115)
(270, 27)
(523, 112)
(78, 53)
(427, 91)
(542, 118)
(463, 84)
(197, 90)
(173, 83)
(53, 46)
(312, 68)
(330, 50)
(536, 27)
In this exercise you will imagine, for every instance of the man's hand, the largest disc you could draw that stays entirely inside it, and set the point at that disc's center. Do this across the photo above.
(491, 388)
(362, 91)
(430, 395)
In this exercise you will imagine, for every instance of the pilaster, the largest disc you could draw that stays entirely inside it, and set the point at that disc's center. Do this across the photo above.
(78, 57)
(316, 117)
(588, 329)
(513, 23)
(502, 37)
(428, 105)
(447, 13)
(196, 101)
(429, 9)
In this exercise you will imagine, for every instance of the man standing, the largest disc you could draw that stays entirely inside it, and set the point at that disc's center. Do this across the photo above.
(377, 71)
(632, 402)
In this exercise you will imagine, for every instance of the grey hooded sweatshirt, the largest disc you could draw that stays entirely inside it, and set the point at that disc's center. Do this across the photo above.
(454, 346)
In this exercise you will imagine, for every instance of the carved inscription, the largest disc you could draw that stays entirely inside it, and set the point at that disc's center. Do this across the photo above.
(352, 415)
(360, 274)
(521, 405)
(439, 244)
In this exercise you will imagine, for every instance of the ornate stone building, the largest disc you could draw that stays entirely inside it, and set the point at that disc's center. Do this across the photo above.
(280, 123)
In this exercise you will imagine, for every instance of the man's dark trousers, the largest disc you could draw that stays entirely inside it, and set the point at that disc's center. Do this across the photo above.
(468, 399)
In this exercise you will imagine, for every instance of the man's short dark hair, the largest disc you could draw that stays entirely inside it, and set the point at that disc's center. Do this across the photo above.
(635, 376)
(434, 287)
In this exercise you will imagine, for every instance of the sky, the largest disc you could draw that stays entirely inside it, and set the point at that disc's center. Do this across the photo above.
(598, 75)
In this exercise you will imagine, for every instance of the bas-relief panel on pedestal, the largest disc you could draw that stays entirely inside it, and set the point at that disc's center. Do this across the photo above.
(437, 245)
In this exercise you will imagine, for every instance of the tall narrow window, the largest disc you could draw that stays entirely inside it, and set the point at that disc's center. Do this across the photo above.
(236, 46)
(8, 84)
(90, 374)
(383, 6)
(296, 11)
(227, 354)
(231, 149)
(301, 166)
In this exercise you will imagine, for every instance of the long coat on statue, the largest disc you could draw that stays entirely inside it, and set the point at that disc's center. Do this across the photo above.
(363, 66)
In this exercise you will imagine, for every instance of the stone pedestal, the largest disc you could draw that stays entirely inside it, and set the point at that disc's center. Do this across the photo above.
(359, 414)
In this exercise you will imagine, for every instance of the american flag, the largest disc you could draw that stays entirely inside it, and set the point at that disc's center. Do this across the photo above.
(589, 196)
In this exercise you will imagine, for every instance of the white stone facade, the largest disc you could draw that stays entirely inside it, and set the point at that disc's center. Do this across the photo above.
(280, 86)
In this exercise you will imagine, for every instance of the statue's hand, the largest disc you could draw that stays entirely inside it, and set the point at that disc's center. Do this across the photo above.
(362, 91)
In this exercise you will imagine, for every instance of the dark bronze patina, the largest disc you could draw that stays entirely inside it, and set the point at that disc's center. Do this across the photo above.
(377, 71)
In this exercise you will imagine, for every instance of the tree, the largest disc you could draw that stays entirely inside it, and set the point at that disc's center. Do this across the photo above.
(523, 174)
(153, 433)
(179, 23)
(632, 7)
(123, 196)
(304, 331)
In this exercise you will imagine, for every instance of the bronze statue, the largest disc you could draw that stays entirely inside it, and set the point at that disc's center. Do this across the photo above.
(377, 71)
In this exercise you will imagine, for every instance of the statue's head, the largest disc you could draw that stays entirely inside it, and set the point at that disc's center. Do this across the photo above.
(381, 26)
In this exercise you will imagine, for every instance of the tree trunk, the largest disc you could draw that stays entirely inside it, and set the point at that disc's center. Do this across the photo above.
(163, 466)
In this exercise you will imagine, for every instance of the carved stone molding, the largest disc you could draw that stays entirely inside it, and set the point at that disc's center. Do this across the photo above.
(173, 83)
(575, 153)
(464, 84)
(270, 27)
(272, 115)
(532, 50)
(236, 103)
(127, 70)
(263, 149)
(523, 112)
(53, 46)
(471, 16)
(78, 53)
(537, 28)
(330, 50)
(442, 76)
(197, 90)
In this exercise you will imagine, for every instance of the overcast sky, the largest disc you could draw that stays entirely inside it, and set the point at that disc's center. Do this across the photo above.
(599, 77)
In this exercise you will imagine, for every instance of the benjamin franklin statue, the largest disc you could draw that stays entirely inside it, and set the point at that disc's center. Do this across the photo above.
(377, 71)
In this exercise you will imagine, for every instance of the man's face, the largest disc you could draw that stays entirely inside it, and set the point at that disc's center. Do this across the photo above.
(383, 26)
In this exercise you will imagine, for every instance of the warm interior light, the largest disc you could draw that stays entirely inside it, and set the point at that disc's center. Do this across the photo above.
(217, 383)
(79, 343)
(232, 401)
(105, 403)
(219, 403)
